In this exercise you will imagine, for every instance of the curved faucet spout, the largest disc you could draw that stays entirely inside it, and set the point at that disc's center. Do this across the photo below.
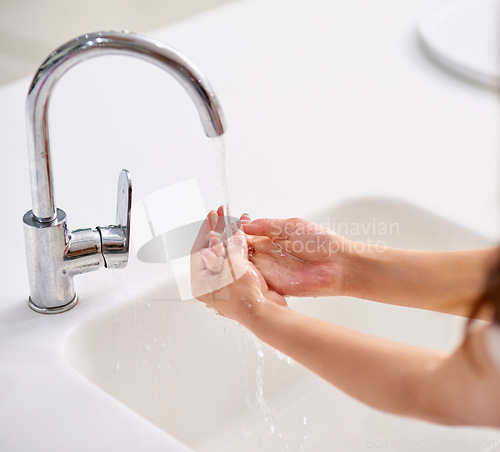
(82, 48)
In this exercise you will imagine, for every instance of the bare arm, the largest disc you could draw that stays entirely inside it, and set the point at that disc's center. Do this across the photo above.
(461, 388)
(299, 258)
(447, 281)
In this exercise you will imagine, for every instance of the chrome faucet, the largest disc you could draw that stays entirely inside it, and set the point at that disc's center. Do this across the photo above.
(55, 255)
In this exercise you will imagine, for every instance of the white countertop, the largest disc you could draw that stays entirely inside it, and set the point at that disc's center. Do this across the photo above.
(324, 100)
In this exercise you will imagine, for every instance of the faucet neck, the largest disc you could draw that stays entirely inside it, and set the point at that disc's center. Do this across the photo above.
(82, 48)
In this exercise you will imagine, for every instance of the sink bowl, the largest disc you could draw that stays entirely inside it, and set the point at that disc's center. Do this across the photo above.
(209, 383)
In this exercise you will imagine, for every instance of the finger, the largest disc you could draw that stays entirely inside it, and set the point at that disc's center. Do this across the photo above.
(237, 254)
(218, 249)
(221, 223)
(270, 227)
(237, 244)
(228, 225)
(197, 264)
(217, 229)
(203, 236)
(212, 261)
(244, 219)
(214, 239)
(217, 222)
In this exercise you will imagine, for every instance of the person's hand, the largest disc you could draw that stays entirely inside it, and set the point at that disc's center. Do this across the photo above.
(221, 274)
(297, 257)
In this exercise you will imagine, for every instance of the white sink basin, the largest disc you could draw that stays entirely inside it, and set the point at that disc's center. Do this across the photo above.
(209, 383)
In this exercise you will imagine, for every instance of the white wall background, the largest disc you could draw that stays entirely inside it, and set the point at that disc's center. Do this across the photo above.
(31, 29)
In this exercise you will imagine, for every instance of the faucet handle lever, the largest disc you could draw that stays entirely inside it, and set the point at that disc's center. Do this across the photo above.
(124, 201)
(115, 239)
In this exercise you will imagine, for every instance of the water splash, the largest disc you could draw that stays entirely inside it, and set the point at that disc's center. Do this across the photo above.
(262, 403)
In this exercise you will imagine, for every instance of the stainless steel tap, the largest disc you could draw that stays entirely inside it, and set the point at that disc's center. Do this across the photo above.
(55, 255)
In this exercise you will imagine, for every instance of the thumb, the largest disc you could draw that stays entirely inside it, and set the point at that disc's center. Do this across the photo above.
(273, 228)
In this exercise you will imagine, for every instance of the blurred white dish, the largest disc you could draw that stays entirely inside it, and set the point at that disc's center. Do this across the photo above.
(464, 35)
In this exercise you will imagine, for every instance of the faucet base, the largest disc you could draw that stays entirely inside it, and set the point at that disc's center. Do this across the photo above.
(55, 310)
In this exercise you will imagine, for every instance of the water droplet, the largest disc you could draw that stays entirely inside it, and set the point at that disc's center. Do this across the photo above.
(117, 366)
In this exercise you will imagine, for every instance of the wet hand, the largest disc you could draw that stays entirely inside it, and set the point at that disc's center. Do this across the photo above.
(221, 274)
(297, 257)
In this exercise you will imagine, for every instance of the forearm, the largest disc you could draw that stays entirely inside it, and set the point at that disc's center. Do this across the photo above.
(448, 282)
(388, 376)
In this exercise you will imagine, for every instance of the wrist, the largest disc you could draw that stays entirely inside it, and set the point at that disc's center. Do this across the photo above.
(341, 269)
(263, 312)
(359, 261)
